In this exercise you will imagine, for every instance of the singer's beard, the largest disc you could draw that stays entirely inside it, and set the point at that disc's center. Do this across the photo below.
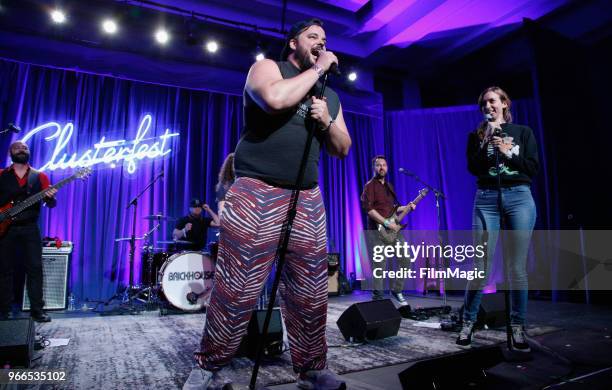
(20, 158)
(304, 59)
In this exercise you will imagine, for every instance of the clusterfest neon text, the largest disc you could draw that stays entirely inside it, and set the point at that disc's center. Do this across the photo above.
(103, 152)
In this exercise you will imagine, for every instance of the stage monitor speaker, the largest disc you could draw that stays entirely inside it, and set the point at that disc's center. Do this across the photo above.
(55, 277)
(370, 320)
(491, 312)
(16, 342)
(455, 371)
(274, 343)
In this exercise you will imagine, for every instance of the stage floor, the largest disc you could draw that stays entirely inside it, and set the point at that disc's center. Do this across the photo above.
(152, 351)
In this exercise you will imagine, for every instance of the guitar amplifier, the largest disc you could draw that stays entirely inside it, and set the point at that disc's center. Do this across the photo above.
(55, 262)
(333, 267)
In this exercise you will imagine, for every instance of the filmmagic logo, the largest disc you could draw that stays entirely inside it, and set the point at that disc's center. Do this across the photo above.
(430, 273)
(408, 251)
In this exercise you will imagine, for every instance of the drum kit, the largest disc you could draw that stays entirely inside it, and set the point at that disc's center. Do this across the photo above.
(172, 275)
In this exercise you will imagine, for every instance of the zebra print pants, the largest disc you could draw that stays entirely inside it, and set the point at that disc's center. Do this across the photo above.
(250, 232)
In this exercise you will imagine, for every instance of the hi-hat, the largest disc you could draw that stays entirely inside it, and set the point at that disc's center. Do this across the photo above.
(180, 242)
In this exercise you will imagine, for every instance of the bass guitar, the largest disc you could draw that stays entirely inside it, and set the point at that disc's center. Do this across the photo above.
(10, 211)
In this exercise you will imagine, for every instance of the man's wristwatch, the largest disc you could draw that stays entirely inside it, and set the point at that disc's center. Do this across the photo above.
(386, 223)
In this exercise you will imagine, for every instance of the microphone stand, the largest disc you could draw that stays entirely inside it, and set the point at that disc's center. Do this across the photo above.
(126, 298)
(500, 209)
(439, 195)
(284, 240)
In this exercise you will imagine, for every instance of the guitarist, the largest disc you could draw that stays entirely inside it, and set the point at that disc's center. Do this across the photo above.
(379, 201)
(22, 242)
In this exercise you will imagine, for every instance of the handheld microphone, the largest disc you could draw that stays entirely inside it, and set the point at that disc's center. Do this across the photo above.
(12, 128)
(334, 67)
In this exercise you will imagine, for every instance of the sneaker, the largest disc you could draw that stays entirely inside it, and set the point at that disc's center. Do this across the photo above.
(199, 379)
(519, 341)
(399, 297)
(320, 380)
(465, 334)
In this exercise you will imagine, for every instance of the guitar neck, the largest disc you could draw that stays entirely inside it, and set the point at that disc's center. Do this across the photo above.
(39, 196)
(416, 200)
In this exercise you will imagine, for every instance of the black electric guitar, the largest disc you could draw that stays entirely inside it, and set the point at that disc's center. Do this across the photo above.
(9, 211)
(388, 235)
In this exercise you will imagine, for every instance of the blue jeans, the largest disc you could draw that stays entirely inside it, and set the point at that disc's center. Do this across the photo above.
(520, 214)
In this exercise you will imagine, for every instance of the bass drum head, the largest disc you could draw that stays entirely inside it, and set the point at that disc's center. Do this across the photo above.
(187, 280)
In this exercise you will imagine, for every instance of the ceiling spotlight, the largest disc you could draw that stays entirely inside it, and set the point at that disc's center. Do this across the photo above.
(212, 46)
(109, 26)
(58, 16)
(162, 36)
(260, 56)
(352, 76)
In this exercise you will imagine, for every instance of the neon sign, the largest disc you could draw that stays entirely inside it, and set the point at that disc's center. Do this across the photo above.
(103, 152)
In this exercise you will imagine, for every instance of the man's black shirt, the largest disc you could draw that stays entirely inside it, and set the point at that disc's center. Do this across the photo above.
(199, 230)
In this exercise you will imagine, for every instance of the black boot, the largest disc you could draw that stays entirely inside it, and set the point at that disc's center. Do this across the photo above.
(465, 334)
(40, 316)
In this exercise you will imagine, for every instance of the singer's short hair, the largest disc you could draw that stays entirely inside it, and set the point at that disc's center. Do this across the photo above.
(296, 30)
(378, 157)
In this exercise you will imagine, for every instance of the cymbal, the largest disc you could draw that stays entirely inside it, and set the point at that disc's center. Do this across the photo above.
(128, 239)
(179, 242)
(159, 217)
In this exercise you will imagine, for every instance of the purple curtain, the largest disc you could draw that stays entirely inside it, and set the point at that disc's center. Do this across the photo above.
(430, 142)
(94, 214)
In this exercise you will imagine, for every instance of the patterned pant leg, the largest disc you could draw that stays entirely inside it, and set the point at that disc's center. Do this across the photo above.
(304, 285)
(250, 229)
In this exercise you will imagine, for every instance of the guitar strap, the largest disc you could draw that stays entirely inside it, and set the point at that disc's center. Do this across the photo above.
(392, 191)
(32, 179)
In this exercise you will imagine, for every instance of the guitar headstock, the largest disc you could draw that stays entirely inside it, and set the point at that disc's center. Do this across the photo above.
(83, 173)
(424, 192)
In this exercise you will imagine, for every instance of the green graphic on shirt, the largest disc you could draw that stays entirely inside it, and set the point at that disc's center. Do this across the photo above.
(503, 169)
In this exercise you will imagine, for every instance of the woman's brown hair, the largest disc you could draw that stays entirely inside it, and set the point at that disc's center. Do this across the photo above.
(226, 173)
(503, 96)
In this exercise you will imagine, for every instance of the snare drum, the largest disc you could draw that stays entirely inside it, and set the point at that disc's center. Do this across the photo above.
(187, 280)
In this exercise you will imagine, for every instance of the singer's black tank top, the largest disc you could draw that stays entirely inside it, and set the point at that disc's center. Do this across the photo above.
(272, 146)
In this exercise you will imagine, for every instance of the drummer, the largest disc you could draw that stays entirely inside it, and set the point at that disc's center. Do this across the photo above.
(194, 227)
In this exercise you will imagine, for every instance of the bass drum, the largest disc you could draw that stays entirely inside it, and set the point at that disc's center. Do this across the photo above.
(187, 280)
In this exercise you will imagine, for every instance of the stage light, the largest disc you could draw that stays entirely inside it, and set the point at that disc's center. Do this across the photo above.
(161, 36)
(212, 46)
(58, 16)
(260, 56)
(352, 76)
(109, 26)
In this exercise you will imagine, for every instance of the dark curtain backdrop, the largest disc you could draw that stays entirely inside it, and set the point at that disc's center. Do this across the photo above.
(429, 142)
